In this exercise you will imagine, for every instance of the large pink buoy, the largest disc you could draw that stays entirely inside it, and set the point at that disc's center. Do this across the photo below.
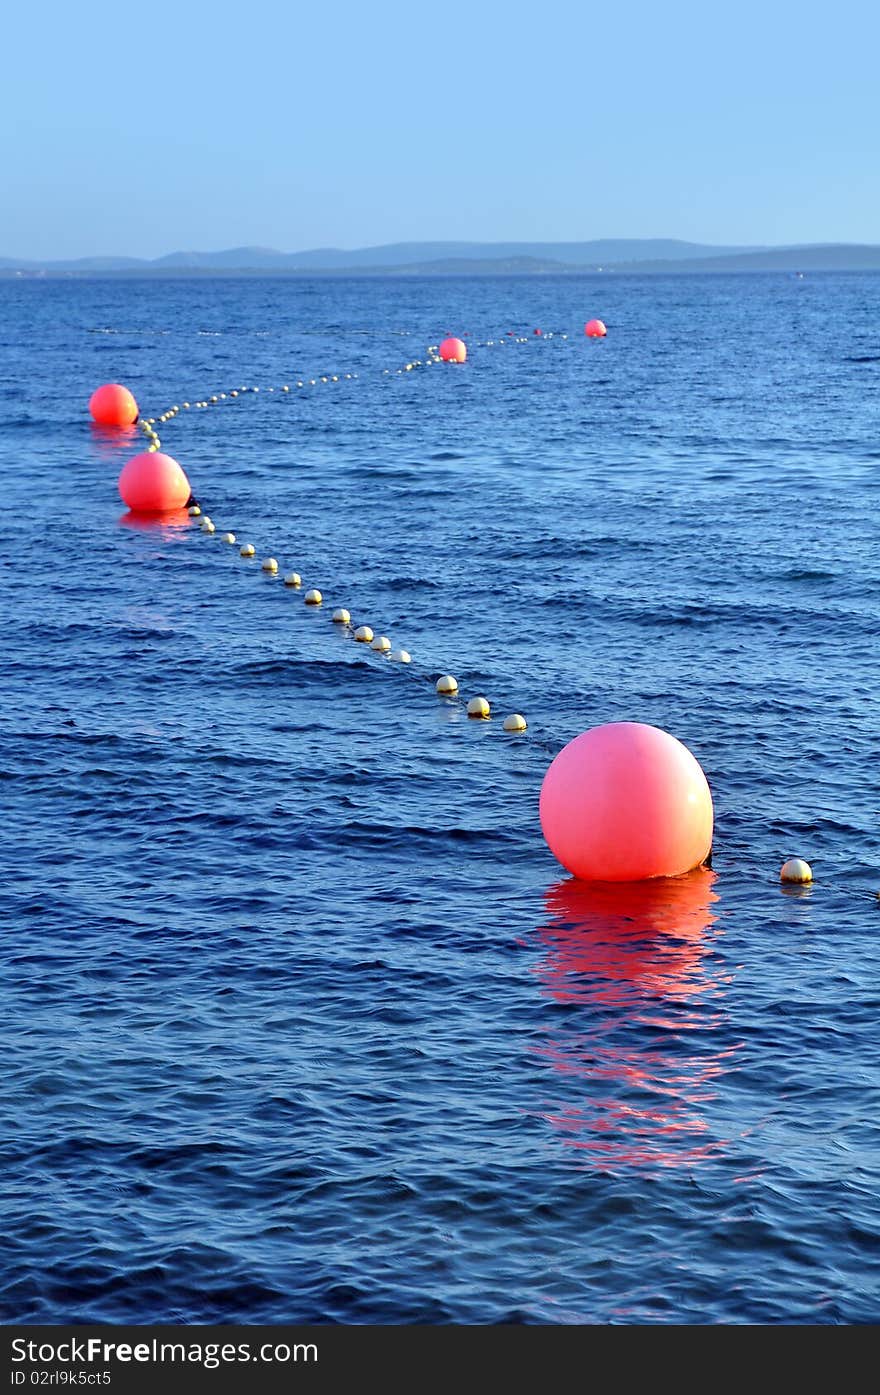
(153, 483)
(595, 329)
(626, 802)
(453, 351)
(113, 405)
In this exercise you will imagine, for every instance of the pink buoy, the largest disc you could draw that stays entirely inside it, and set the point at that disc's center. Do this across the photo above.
(595, 329)
(453, 351)
(113, 405)
(625, 802)
(153, 483)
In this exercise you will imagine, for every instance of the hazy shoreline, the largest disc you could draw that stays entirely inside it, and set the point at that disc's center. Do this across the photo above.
(417, 273)
(600, 258)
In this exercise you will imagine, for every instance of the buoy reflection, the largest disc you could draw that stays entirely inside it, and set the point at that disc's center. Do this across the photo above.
(166, 522)
(643, 1058)
(109, 440)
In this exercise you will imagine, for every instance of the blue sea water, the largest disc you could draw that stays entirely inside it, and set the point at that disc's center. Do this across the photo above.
(301, 1020)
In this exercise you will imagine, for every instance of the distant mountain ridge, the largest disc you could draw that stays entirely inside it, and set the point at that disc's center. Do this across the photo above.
(620, 255)
(391, 255)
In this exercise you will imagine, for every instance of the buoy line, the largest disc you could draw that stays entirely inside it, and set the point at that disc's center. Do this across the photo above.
(585, 812)
(434, 354)
(362, 632)
(450, 350)
(795, 875)
(147, 424)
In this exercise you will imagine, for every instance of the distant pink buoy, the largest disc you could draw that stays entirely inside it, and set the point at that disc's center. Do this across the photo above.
(626, 802)
(113, 405)
(153, 483)
(453, 351)
(539, 331)
(595, 329)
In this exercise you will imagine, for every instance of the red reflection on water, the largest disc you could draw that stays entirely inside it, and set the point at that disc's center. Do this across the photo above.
(637, 957)
(151, 522)
(110, 439)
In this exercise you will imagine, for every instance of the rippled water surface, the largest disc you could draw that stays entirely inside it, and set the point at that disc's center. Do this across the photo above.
(302, 1021)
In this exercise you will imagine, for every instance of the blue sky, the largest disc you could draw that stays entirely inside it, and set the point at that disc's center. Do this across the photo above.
(144, 130)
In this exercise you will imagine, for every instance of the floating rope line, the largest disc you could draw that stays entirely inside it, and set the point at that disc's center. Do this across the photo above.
(518, 339)
(299, 385)
(361, 632)
(431, 359)
(445, 685)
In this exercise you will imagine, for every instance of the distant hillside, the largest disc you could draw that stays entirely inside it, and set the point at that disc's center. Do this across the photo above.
(621, 257)
(831, 258)
(392, 257)
(842, 256)
(401, 254)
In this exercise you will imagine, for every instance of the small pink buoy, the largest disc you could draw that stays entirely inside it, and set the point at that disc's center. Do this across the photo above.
(595, 329)
(113, 405)
(153, 483)
(625, 802)
(539, 331)
(453, 351)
